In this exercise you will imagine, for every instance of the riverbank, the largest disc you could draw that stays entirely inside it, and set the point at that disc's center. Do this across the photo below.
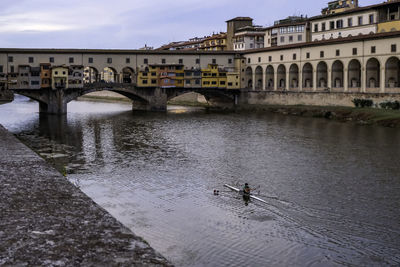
(47, 221)
(362, 116)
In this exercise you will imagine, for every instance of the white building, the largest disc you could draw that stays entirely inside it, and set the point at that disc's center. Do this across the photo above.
(353, 22)
(249, 37)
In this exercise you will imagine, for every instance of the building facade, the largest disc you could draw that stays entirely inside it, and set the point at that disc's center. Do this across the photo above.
(362, 64)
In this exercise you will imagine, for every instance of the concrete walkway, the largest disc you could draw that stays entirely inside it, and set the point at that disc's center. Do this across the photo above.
(46, 221)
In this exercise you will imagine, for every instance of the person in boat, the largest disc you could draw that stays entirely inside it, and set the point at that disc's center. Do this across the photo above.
(246, 189)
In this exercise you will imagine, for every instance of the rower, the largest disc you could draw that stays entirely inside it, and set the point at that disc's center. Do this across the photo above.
(246, 189)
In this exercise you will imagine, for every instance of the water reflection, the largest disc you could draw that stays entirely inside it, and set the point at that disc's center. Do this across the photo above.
(336, 184)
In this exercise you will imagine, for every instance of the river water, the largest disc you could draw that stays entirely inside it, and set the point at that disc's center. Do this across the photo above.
(332, 189)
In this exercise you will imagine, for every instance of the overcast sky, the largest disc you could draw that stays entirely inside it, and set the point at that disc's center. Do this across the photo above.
(130, 24)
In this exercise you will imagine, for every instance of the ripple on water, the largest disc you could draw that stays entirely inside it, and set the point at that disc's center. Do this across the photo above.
(336, 185)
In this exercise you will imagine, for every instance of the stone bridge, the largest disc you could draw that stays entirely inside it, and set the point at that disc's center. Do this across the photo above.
(145, 99)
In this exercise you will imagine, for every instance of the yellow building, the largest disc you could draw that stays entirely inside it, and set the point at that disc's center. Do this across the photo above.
(216, 42)
(389, 17)
(233, 80)
(179, 76)
(339, 6)
(148, 76)
(59, 76)
(210, 76)
(213, 77)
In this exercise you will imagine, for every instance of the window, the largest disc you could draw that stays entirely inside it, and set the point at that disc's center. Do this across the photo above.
(163, 61)
(10, 59)
(197, 60)
(337, 52)
(30, 59)
(34, 82)
(12, 68)
(90, 60)
(1, 68)
(281, 57)
(197, 81)
(360, 20)
(71, 60)
(248, 60)
(371, 19)
(144, 81)
(259, 59)
(214, 61)
(145, 61)
(109, 60)
(393, 48)
(308, 55)
(153, 81)
(290, 38)
(229, 61)
(56, 72)
(349, 22)
(270, 58)
(323, 26)
(127, 60)
(373, 49)
(299, 38)
(321, 54)
(180, 61)
(294, 56)
(331, 25)
(339, 24)
(282, 39)
(51, 60)
(315, 27)
(354, 51)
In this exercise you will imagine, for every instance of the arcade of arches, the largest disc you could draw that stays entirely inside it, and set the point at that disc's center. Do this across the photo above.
(375, 76)
(109, 75)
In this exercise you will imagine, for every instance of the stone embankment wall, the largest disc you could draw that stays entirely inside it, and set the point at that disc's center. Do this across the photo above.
(47, 221)
(310, 98)
(6, 96)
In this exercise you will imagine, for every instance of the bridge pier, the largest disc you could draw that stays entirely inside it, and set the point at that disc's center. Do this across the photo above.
(56, 103)
(156, 100)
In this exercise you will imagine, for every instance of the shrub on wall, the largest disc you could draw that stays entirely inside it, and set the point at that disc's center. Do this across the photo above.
(362, 103)
(395, 105)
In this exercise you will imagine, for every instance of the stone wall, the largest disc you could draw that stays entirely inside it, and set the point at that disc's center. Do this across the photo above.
(6, 96)
(310, 98)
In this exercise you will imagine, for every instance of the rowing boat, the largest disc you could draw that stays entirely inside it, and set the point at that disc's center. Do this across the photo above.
(241, 191)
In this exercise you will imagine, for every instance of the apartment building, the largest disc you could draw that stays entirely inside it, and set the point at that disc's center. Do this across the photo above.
(292, 30)
(249, 37)
(216, 42)
(354, 20)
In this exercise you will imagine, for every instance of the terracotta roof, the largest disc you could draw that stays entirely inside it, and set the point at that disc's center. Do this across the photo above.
(111, 51)
(240, 19)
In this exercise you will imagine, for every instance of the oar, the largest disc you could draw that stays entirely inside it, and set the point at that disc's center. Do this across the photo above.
(253, 197)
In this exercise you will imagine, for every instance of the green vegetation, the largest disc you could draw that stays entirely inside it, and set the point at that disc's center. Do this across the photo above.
(362, 103)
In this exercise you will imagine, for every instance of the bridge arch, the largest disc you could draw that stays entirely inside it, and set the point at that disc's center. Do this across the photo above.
(269, 77)
(91, 75)
(322, 74)
(354, 74)
(249, 78)
(337, 75)
(259, 78)
(372, 77)
(128, 75)
(281, 78)
(294, 76)
(109, 75)
(392, 72)
(307, 76)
